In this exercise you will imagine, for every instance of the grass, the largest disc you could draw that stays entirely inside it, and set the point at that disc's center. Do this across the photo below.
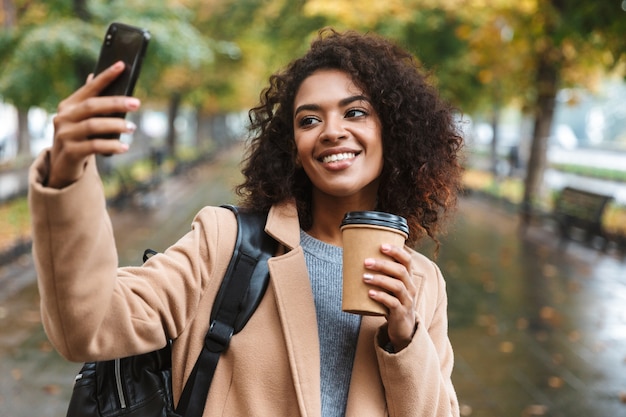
(14, 222)
(592, 172)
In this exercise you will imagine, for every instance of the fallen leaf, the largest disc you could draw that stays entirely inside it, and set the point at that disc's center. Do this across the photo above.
(549, 271)
(573, 286)
(574, 336)
(466, 410)
(474, 258)
(507, 347)
(522, 324)
(547, 313)
(52, 389)
(535, 410)
(555, 382)
(16, 373)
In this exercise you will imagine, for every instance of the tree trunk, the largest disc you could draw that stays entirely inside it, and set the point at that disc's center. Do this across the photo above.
(9, 14)
(203, 134)
(549, 61)
(495, 126)
(547, 87)
(172, 113)
(23, 134)
(81, 10)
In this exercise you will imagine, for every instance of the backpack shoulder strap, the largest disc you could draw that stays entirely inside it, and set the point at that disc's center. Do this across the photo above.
(241, 291)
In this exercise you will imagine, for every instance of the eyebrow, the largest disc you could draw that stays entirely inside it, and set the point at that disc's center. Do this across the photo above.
(342, 103)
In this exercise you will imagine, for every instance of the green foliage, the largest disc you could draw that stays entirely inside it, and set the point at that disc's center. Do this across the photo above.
(431, 36)
(592, 172)
(39, 71)
(44, 61)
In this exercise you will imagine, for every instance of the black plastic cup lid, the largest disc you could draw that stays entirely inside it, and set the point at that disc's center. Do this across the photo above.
(377, 218)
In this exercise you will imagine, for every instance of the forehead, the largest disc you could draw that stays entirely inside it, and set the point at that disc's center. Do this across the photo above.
(326, 85)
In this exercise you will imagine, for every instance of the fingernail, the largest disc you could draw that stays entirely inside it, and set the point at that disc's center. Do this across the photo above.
(118, 65)
(130, 127)
(369, 262)
(385, 247)
(368, 277)
(132, 103)
(124, 146)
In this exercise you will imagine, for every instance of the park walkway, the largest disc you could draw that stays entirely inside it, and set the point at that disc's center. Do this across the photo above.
(536, 330)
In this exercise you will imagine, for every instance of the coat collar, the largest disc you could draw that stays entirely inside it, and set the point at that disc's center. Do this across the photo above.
(283, 224)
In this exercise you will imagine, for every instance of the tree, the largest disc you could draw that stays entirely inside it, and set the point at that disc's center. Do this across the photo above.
(54, 45)
(569, 43)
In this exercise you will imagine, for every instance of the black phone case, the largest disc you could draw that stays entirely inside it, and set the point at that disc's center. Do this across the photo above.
(122, 43)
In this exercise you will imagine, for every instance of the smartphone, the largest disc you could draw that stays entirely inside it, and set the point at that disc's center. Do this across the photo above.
(122, 43)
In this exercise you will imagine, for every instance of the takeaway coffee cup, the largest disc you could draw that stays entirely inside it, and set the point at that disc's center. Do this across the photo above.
(363, 232)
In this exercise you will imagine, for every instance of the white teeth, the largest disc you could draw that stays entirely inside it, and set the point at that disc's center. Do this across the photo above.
(338, 157)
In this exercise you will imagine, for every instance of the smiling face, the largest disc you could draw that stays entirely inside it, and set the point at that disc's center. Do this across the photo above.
(338, 137)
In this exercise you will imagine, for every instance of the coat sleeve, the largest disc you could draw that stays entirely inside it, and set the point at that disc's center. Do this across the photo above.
(91, 310)
(417, 380)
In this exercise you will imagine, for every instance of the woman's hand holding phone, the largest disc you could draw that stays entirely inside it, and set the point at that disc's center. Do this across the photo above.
(79, 124)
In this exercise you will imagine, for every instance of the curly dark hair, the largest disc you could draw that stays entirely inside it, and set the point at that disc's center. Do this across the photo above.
(421, 142)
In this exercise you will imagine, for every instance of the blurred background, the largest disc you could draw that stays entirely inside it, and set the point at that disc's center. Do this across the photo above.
(537, 324)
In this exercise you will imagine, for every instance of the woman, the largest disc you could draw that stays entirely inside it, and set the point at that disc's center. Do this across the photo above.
(352, 125)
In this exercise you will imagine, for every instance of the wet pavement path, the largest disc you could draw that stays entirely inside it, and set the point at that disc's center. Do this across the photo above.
(537, 331)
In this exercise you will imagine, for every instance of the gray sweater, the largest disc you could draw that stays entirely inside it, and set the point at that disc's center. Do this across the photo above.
(338, 331)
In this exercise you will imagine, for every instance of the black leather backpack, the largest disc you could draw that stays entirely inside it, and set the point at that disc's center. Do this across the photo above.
(141, 386)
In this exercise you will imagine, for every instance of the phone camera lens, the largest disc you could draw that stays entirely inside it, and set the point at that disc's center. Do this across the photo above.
(108, 41)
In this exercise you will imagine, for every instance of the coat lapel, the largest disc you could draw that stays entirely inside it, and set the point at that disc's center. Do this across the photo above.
(294, 300)
(296, 308)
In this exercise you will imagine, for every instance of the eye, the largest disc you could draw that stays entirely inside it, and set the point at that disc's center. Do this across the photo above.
(356, 113)
(307, 121)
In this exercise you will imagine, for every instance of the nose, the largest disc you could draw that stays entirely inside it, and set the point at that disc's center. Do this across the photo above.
(334, 129)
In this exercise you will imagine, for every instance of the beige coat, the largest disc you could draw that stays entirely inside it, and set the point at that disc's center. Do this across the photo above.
(92, 311)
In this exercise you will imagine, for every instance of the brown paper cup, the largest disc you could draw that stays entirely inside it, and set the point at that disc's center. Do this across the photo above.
(362, 241)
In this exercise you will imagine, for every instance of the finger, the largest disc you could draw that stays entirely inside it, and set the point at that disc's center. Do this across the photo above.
(397, 253)
(393, 287)
(387, 267)
(98, 146)
(82, 129)
(97, 83)
(93, 86)
(98, 106)
(388, 300)
(402, 257)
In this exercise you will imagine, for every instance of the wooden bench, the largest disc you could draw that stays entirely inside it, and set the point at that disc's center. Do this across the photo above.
(578, 214)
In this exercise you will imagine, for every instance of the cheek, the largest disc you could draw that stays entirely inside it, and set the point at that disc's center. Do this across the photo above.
(303, 145)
